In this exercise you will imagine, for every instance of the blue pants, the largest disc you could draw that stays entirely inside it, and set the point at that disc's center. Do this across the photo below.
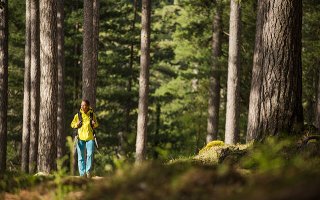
(85, 167)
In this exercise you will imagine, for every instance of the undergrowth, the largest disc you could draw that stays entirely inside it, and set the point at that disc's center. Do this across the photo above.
(278, 168)
(268, 170)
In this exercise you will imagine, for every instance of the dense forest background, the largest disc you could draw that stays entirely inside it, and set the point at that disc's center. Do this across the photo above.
(181, 33)
(196, 99)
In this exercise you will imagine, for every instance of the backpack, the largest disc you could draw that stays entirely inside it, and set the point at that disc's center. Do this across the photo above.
(94, 134)
(80, 119)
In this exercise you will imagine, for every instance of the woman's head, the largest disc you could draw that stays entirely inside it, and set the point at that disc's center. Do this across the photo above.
(85, 104)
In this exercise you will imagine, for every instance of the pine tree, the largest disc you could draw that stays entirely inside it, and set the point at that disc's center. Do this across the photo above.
(48, 87)
(276, 88)
(61, 135)
(318, 103)
(143, 82)
(90, 50)
(34, 85)
(95, 48)
(26, 93)
(232, 112)
(3, 85)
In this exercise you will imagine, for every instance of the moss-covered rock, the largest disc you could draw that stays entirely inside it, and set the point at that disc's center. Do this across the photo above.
(217, 153)
(214, 143)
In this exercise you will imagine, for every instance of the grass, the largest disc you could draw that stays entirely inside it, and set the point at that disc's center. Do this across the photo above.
(274, 169)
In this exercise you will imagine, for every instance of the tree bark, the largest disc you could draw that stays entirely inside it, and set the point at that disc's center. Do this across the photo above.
(48, 87)
(61, 135)
(76, 93)
(95, 51)
(256, 81)
(318, 102)
(276, 88)
(3, 85)
(143, 83)
(95, 46)
(232, 109)
(214, 87)
(26, 94)
(34, 85)
(88, 73)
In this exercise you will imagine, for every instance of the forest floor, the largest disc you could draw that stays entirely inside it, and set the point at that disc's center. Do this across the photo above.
(274, 169)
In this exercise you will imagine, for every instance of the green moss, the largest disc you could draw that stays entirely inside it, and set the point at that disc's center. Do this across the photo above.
(217, 153)
(214, 143)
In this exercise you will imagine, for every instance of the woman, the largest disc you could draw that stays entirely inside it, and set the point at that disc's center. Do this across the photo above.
(85, 121)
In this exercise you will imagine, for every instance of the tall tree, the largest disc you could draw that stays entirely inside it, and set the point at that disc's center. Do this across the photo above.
(141, 140)
(61, 135)
(214, 87)
(318, 102)
(90, 50)
(34, 85)
(3, 84)
(26, 93)
(95, 47)
(232, 110)
(48, 86)
(276, 88)
(87, 86)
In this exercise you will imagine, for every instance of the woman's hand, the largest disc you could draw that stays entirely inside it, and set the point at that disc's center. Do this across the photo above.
(79, 124)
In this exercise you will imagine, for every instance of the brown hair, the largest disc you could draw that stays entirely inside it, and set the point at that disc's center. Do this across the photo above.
(87, 101)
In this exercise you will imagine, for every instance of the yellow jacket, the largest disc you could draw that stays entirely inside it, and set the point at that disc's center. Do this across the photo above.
(85, 132)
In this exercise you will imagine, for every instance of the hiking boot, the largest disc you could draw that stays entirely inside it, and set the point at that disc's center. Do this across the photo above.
(88, 175)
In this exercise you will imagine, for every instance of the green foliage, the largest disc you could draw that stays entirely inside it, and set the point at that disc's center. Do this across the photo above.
(275, 168)
(180, 66)
(61, 189)
(310, 58)
(14, 181)
(276, 155)
(15, 80)
(107, 162)
(155, 181)
(268, 156)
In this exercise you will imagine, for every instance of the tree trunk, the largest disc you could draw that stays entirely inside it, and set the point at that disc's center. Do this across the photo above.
(34, 86)
(48, 87)
(26, 94)
(3, 85)
(61, 135)
(143, 83)
(276, 88)
(76, 93)
(256, 81)
(77, 66)
(214, 87)
(95, 47)
(232, 109)
(318, 102)
(88, 89)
